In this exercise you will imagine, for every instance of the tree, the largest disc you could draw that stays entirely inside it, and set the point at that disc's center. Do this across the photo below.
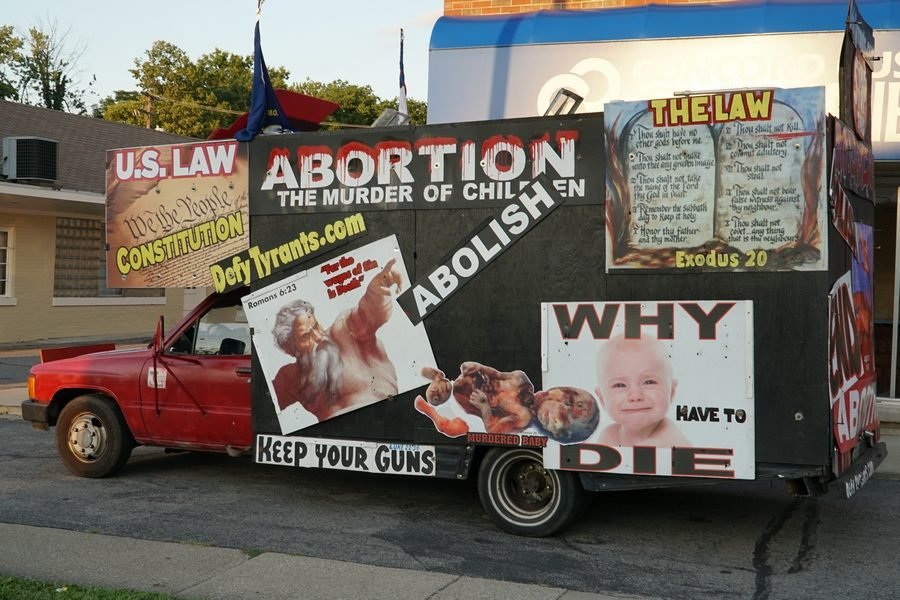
(122, 107)
(194, 98)
(10, 57)
(47, 70)
(186, 97)
(164, 75)
(418, 111)
(359, 105)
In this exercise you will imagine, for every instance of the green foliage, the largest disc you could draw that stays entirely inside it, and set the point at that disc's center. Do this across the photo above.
(14, 587)
(183, 96)
(10, 57)
(194, 98)
(418, 111)
(165, 76)
(44, 71)
(40, 68)
(119, 106)
(358, 103)
(174, 93)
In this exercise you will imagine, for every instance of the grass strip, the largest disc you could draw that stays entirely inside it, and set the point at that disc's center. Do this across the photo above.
(17, 588)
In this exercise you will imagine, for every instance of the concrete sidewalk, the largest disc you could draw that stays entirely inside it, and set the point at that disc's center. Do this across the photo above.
(189, 571)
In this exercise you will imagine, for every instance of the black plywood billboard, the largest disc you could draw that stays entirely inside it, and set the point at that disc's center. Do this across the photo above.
(489, 219)
(478, 252)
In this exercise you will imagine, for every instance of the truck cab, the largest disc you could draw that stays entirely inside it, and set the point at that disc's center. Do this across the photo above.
(189, 389)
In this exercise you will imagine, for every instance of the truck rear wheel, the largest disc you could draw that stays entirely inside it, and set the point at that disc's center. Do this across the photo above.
(523, 497)
(92, 438)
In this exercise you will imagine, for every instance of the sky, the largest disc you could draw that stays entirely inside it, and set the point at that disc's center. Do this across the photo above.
(354, 40)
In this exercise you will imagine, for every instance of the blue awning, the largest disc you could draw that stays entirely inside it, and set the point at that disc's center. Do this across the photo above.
(656, 21)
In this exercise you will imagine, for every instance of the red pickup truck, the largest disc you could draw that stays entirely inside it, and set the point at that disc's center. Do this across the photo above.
(197, 395)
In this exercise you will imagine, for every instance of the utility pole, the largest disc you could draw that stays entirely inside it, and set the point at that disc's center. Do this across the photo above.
(148, 110)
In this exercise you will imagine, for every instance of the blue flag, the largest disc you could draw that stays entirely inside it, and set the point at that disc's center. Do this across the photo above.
(265, 109)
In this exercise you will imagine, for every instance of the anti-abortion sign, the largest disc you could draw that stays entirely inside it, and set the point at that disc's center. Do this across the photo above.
(673, 382)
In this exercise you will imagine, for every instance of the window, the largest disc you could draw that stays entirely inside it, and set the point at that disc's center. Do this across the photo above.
(80, 270)
(6, 248)
(222, 330)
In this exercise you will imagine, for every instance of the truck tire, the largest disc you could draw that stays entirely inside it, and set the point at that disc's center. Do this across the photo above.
(523, 497)
(92, 438)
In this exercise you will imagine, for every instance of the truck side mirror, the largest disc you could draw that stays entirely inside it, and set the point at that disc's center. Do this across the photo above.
(158, 337)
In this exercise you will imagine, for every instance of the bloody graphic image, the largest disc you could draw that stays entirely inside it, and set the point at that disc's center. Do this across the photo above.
(505, 402)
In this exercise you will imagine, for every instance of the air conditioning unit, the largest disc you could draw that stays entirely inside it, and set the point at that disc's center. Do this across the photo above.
(29, 159)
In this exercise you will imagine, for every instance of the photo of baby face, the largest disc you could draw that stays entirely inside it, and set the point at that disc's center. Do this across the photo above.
(635, 382)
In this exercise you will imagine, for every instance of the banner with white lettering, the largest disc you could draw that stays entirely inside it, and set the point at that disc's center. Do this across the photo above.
(731, 181)
(468, 165)
(345, 455)
(173, 210)
(331, 339)
(479, 248)
(673, 381)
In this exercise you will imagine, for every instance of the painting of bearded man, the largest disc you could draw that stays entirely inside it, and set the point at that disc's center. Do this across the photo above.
(345, 365)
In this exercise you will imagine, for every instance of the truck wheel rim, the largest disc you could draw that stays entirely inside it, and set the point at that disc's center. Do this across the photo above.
(87, 437)
(526, 490)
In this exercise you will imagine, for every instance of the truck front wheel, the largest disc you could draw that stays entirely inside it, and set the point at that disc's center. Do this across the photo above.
(92, 437)
(523, 497)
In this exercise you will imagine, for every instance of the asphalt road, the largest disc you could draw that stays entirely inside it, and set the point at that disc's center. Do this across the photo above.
(739, 540)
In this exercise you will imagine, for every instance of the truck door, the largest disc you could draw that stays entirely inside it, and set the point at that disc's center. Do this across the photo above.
(198, 392)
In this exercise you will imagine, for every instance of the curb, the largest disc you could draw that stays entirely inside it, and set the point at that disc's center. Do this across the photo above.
(11, 397)
(186, 570)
